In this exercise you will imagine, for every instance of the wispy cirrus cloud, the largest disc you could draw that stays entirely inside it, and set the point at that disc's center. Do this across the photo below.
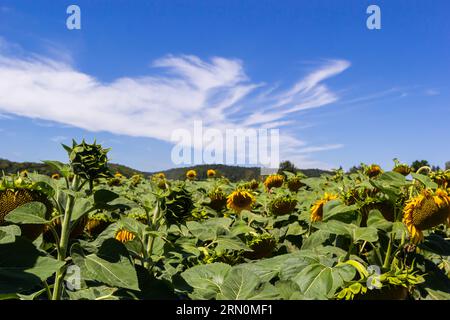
(217, 91)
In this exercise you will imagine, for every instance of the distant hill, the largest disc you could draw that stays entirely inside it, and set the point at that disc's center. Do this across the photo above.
(234, 173)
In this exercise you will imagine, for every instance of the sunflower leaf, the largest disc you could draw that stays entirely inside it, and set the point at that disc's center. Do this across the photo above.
(29, 213)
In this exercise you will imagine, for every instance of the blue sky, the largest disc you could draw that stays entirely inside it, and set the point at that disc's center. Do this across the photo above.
(137, 70)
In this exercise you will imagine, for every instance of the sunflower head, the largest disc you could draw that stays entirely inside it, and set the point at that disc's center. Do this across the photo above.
(90, 161)
(239, 200)
(24, 173)
(178, 204)
(56, 176)
(251, 185)
(442, 178)
(191, 174)
(97, 223)
(124, 235)
(218, 199)
(317, 208)
(118, 175)
(403, 169)
(426, 211)
(160, 175)
(162, 184)
(295, 183)
(373, 170)
(262, 245)
(282, 205)
(273, 181)
(211, 173)
(136, 180)
(115, 182)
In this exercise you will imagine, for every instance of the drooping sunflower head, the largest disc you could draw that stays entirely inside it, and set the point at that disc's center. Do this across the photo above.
(24, 173)
(373, 170)
(251, 185)
(124, 235)
(273, 181)
(282, 205)
(403, 169)
(191, 174)
(426, 211)
(240, 199)
(115, 182)
(317, 208)
(442, 178)
(295, 183)
(262, 245)
(97, 223)
(218, 199)
(211, 173)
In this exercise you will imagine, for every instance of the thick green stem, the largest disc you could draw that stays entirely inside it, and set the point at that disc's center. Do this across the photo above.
(64, 240)
(350, 249)
(388, 255)
(151, 241)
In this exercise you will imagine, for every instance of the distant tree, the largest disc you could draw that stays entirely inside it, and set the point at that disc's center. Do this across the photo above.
(416, 165)
(447, 165)
(287, 166)
(435, 168)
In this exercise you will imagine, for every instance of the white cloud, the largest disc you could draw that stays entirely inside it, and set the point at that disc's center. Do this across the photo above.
(58, 139)
(218, 92)
(431, 92)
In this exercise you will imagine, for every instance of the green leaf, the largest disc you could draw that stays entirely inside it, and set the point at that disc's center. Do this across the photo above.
(336, 210)
(104, 196)
(335, 227)
(94, 293)
(286, 289)
(29, 213)
(295, 229)
(426, 180)
(377, 221)
(200, 231)
(316, 239)
(243, 284)
(369, 234)
(81, 207)
(437, 294)
(23, 266)
(206, 280)
(319, 281)
(225, 243)
(8, 234)
(110, 266)
(239, 229)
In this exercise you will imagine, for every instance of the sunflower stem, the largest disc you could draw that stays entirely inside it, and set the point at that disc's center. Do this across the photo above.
(151, 241)
(388, 254)
(64, 240)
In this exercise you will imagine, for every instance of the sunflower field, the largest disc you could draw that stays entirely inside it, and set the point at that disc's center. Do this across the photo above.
(87, 233)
